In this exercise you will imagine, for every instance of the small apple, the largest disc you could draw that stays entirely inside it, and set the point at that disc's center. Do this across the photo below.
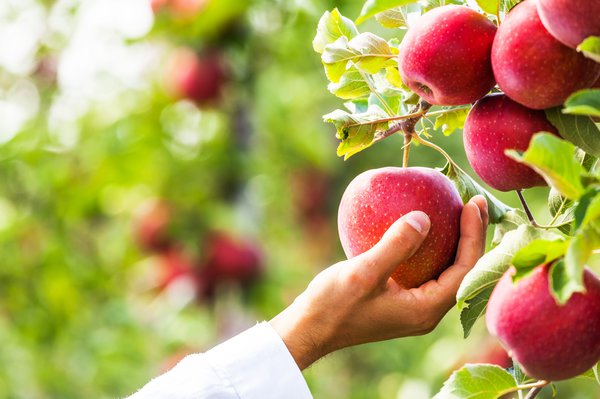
(549, 341)
(375, 199)
(570, 21)
(310, 188)
(532, 67)
(445, 56)
(151, 223)
(194, 77)
(497, 123)
(230, 259)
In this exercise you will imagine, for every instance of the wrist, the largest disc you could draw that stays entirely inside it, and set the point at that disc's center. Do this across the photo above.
(304, 333)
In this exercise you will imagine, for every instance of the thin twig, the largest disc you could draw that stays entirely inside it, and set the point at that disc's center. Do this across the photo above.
(526, 209)
(407, 140)
(537, 389)
(406, 125)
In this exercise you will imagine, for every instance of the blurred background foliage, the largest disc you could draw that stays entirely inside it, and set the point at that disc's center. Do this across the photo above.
(166, 181)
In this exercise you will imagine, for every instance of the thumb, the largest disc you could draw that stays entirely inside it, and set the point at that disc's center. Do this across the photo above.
(399, 243)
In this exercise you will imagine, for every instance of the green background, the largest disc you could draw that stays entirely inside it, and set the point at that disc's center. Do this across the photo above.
(88, 133)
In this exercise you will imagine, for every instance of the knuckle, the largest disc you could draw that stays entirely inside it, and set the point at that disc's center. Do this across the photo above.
(359, 282)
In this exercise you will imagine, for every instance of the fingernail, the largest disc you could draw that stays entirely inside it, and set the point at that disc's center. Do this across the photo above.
(418, 221)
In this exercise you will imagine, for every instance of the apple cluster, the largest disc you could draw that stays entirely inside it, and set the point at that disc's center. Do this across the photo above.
(452, 56)
(223, 260)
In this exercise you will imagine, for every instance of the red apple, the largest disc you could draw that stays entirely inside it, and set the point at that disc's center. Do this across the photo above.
(570, 21)
(445, 56)
(311, 189)
(495, 124)
(532, 67)
(231, 259)
(551, 342)
(377, 198)
(196, 78)
(151, 224)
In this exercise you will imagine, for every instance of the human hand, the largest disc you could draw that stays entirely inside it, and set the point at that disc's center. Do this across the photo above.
(356, 301)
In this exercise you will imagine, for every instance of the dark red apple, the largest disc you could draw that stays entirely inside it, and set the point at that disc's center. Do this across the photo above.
(570, 21)
(196, 78)
(377, 198)
(445, 56)
(151, 224)
(231, 259)
(532, 67)
(551, 342)
(497, 123)
(310, 189)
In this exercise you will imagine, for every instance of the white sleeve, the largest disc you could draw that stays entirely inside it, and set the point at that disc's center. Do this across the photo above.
(255, 364)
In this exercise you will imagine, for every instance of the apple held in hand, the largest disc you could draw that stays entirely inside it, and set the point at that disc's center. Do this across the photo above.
(532, 67)
(551, 342)
(570, 21)
(495, 124)
(445, 56)
(375, 199)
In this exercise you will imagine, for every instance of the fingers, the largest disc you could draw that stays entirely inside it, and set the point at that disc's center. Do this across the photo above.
(483, 210)
(398, 243)
(470, 248)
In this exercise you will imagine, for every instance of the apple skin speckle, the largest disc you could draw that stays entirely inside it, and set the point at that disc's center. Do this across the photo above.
(495, 124)
(549, 341)
(375, 199)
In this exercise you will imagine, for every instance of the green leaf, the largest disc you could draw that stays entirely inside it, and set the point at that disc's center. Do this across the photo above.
(392, 18)
(468, 188)
(372, 7)
(535, 253)
(518, 374)
(350, 86)
(478, 381)
(562, 209)
(491, 266)
(393, 76)
(374, 52)
(567, 275)
(587, 209)
(510, 221)
(428, 5)
(590, 47)
(367, 51)
(592, 373)
(579, 130)
(583, 102)
(562, 283)
(332, 26)
(507, 5)
(489, 6)
(555, 160)
(356, 131)
(474, 308)
(452, 120)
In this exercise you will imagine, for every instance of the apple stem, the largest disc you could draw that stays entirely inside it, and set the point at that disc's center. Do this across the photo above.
(526, 209)
(407, 141)
(406, 123)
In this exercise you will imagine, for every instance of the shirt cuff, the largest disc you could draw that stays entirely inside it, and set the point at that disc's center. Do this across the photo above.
(259, 365)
